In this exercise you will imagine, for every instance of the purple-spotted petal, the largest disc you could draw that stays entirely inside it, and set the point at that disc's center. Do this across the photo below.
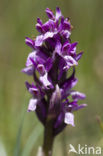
(32, 105)
(69, 119)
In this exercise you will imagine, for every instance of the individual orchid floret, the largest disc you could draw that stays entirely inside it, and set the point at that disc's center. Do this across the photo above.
(32, 105)
(77, 95)
(50, 13)
(69, 119)
(30, 42)
(44, 79)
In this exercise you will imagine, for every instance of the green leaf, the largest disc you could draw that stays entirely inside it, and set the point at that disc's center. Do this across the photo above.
(32, 140)
(18, 140)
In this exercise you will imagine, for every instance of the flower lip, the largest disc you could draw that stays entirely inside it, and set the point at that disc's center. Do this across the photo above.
(69, 119)
(32, 105)
(45, 81)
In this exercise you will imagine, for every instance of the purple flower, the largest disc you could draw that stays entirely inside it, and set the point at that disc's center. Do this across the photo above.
(30, 42)
(52, 56)
(69, 118)
(32, 105)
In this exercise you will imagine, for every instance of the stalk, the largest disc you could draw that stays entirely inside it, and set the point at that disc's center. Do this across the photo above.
(48, 138)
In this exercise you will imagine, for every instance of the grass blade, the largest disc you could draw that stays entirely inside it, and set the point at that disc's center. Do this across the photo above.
(32, 140)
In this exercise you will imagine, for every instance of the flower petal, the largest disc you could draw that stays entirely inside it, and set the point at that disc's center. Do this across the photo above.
(32, 105)
(58, 13)
(70, 61)
(48, 35)
(34, 91)
(72, 49)
(65, 33)
(32, 56)
(69, 119)
(45, 81)
(49, 13)
(78, 56)
(28, 70)
(77, 95)
(39, 25)
(39, 21)
(66, 25)
(39, 40)
(39, 28)
(79, 107)
(48, 26)
(30, 42)
(66, 47)
(41, 69)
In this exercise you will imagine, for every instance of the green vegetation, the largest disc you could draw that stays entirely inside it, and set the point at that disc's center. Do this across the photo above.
(19, 128)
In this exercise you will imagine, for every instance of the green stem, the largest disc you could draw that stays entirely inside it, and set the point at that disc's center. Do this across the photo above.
(48, 138)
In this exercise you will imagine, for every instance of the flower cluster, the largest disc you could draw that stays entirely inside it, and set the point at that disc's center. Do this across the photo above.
(51, 58)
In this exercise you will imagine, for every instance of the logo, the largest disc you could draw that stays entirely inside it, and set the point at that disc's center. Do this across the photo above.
(85, 150)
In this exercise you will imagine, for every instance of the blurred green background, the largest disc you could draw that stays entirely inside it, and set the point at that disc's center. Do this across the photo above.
(21, 130)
